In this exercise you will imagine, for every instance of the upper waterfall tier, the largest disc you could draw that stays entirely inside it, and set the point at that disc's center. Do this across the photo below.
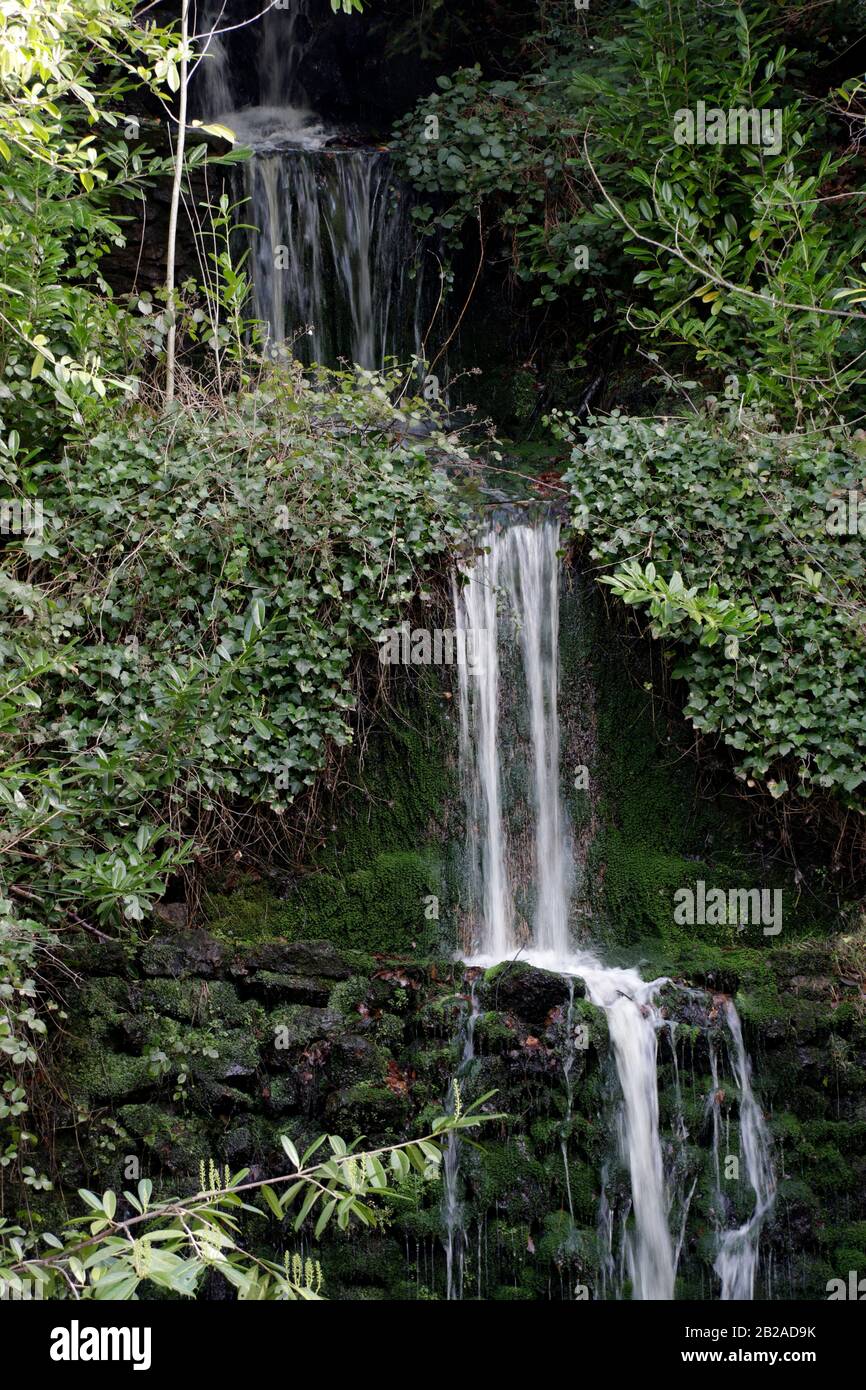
(334, 260)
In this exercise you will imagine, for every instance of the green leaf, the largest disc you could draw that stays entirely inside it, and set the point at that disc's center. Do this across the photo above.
(273, 1202)
(292, 1151)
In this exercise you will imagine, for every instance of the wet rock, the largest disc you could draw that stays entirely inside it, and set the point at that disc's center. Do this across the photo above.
(495, 1032)
(354, 1058)
(174, 915)
(192, 953)
(291, 989)
(316, 959)
(367, 1107)
(522, 989)
(295, 1028)
(813, 986)
(237, 1145)
(98, 958)
(280, 1094)
(810, 1061)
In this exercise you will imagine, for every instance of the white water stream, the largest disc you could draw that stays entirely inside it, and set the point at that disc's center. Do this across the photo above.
(511, 596)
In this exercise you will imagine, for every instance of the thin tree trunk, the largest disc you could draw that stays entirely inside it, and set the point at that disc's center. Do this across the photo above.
(175, 206)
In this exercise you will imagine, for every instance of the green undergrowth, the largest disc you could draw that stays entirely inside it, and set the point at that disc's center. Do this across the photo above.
(730, 509)
(184, 649)
(384, 873)
(654, 819)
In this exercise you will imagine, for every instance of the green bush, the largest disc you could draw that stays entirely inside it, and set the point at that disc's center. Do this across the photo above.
(182, 648)
(188, 629)
(729, 509)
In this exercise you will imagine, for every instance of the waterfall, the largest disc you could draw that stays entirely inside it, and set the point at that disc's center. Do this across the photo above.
(509, 749)
(737, 1261)
(476, 612)
(284, 36)
(336, 265)
(633, 1022)
(512, 593)
(332, 261)
(452, 1207)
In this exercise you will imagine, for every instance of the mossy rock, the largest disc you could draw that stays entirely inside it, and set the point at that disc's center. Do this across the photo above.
(291, 989)
(370, 1108)
(102, 1003)
(177, 1143)
(294, 1026)
(495, 1032)
(522, 989)
(106, 1076)
(318, 960)
(238, 1058)
(354, 1058)
(194, 1001)
(187, 953)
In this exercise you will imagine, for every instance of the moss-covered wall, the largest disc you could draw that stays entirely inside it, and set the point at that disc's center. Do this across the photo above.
(189, 1048)
(384, 877)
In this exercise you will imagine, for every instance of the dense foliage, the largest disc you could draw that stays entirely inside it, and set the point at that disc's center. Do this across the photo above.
(720, 266)
(185, 598)
(185, 626)
(743, 251)
(181, 645)
(121, 1246)
(730, 513)
(69, 159)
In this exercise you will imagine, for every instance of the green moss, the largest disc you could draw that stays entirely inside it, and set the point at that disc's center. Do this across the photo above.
(347, 995)
(237, 1055)
(103, 1002)
(651, 828)
(494, 1033)
(369, 1108)
(370, 882)
(177, 1143)
(390, 1031)
(296, 1025)
(378, 908)
(102, 1075)
(195, 1001)
(565, 1245)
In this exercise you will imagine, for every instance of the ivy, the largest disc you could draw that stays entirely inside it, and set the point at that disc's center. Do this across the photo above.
(186, 630)
(182, 643)
(726, 528)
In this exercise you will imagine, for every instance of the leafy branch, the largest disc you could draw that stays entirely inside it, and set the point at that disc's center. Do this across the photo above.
(173, 1243)
(670, 602)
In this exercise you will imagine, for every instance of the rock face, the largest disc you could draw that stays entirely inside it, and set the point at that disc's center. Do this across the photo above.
(190, 1048)
(534, 993)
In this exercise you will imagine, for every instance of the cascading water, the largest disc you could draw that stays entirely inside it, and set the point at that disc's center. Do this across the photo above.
(737, 1260)
(452, 1207)
(335, 263)
(331, 260)
(509, 601)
